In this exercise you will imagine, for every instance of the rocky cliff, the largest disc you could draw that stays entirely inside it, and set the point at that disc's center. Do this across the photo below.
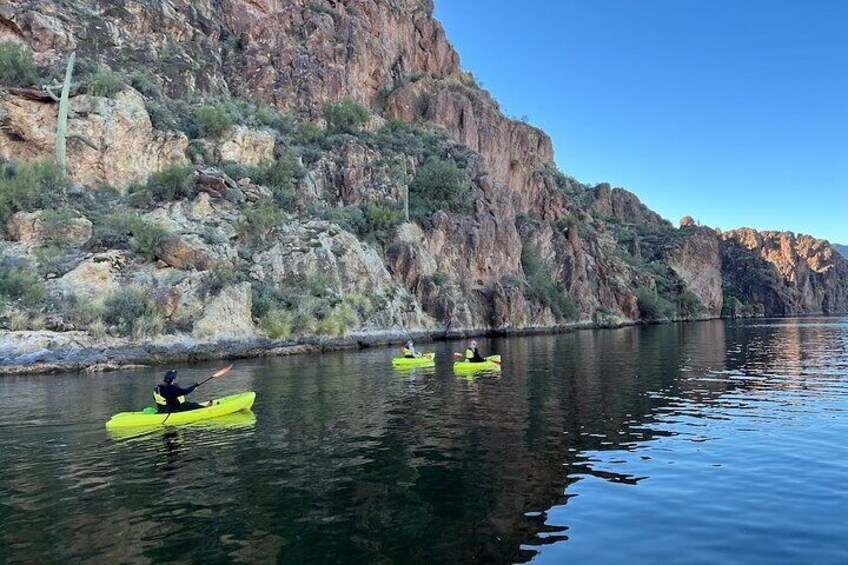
(247, 175)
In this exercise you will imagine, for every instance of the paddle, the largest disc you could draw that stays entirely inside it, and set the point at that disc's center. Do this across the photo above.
(219, 373)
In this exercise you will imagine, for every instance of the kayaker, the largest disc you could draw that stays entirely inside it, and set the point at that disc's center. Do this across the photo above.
(170, 397)
(472, 354)
(410, 352)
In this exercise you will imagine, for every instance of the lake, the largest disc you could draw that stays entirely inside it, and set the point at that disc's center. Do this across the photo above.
(709, 442)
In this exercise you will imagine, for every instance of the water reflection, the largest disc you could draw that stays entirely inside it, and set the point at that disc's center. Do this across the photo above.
(351, 460)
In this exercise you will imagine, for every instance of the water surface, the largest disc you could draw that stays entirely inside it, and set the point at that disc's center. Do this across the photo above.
(691, 443)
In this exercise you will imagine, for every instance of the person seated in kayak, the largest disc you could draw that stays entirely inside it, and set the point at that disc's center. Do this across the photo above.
(170, 397)
(472, 354)
(410, 352)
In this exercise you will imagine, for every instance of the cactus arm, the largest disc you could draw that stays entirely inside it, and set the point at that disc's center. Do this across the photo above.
(84, 139)
(62, 123)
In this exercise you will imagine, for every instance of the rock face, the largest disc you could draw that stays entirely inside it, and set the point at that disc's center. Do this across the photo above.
(696, 260)
(787, 274)
(128, 147)
(228, 315)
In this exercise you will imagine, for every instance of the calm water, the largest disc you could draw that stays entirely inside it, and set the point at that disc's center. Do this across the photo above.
(695, 443)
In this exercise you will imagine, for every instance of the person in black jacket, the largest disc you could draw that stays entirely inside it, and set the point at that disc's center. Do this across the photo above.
(170, 397)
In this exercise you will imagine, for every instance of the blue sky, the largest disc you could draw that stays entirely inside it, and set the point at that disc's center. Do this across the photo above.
(733, 112)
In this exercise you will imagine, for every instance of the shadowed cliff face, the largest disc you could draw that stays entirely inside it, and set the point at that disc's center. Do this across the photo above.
(524, 246)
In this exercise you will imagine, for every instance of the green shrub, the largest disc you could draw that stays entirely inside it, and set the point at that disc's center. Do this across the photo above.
(381, 219)
(211, 121)
(338, 321)
(147, 237)
(258, 219)
(128, 231)
(319, 284)
(20, 283)
(345, 115)
(82, 311)
(689, 304)
(29, 186)
(280, 175)
(105, 83)
(219, 276)
(16, 66)
(439, 278)
(172, 183)
(439, 185)
(277, 323)
(652, 306)
(132, 313)
(308, 133)
(145, 82)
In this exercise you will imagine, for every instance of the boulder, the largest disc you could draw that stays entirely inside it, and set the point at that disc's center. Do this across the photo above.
(246, 146)
(26, 227)
(167, 301)
(228, 315)
(184, 252)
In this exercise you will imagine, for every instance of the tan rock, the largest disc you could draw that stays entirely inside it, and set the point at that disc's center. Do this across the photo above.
(246, 146)
(184, 252)
(26, 227)
(167, 301)
(94, 278)
(228, 315)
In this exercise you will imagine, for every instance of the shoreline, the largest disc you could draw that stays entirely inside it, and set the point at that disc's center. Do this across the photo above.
(62, 352)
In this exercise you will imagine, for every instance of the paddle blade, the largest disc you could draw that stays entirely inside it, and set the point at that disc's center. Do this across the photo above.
(458, 355)
(222, 372)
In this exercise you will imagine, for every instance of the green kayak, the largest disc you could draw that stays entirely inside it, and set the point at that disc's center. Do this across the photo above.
(425, 360)
(220, 407)
(492, 363)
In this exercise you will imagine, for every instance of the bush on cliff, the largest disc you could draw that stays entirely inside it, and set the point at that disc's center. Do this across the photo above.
(652, 306)
(128, 231)
(104, 82)
(258, 220)
(172, 183)
(132, 313)
(20, 283)
(344, 116)
(438, 185)
(29, 186)
(16, 65)
(211, 121)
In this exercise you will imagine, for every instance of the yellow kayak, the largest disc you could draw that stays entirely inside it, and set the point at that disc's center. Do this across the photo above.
(492, 363)
(424, 361)
(220, 407)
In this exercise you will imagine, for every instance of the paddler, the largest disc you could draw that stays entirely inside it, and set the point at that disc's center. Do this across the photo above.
(170, 397)
(410, 352)
(472, 354)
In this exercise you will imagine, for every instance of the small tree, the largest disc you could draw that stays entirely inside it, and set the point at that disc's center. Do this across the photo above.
(345, 115)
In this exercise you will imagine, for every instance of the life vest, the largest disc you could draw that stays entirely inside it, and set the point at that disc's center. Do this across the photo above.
(160, 400)
(473, 355)
(407, 352)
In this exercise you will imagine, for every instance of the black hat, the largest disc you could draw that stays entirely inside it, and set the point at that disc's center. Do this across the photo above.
(170, 374)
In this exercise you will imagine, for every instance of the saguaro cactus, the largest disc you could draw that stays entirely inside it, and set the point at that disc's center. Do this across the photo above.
(62, 134)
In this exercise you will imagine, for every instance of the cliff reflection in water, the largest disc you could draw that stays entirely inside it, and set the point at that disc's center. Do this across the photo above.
(348, 460)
